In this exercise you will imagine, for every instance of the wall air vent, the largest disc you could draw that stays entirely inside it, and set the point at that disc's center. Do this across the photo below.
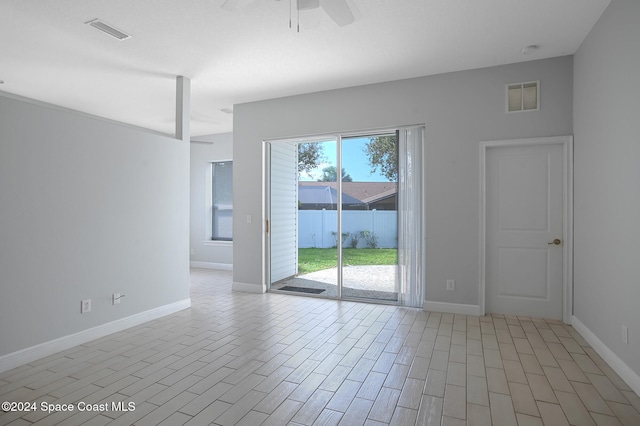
(523, 96)
(108, 29)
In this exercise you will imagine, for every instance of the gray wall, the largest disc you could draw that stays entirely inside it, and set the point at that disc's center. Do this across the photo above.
(459, 110)
(88, 207)
(607, 180)
(215, 148)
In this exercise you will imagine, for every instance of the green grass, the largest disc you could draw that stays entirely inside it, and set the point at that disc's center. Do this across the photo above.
(316, 259)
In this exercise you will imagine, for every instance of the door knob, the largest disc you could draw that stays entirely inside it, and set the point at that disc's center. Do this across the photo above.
(555, 242)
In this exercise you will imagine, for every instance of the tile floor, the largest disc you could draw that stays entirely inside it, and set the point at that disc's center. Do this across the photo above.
(275, 359)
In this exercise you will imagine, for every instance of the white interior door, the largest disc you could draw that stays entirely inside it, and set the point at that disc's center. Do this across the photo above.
(524, 230)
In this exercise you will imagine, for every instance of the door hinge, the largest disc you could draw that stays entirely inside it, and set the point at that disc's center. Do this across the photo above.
(267, 226)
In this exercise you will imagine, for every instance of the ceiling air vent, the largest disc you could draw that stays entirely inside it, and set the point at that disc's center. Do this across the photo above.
(108, 29)
(523, 96)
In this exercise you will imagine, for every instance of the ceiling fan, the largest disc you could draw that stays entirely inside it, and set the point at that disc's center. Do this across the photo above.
(338, 10)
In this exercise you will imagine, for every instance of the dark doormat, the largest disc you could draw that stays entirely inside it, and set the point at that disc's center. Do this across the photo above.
(302, 289)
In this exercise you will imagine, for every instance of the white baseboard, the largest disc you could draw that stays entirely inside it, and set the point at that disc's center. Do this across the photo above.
(27, 355)
(451, 308)
(248, 288)
(211, 265)
(623, 370)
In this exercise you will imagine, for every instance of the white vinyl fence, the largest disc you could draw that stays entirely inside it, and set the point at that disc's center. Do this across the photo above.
(318, 228)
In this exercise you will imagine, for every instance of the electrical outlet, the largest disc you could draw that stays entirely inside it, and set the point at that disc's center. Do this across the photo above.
(85, 306)
(116, 298)
(625, 334)
(193, 251)
(451, 285)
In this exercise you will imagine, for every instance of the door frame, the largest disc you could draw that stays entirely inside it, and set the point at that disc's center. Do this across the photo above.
(567, 248)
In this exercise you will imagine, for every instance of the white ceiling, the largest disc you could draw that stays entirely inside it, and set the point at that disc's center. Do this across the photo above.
(48, 53)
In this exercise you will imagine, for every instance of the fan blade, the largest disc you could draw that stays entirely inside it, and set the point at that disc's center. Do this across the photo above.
(339, 11)
(308, 4)
(235, 4)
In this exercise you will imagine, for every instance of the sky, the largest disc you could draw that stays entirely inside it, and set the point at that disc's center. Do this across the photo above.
(354, 161)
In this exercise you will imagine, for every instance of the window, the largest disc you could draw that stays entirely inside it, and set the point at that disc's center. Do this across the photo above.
(222, 196)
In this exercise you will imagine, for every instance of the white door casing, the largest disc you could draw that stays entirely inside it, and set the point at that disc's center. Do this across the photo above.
(526, 205)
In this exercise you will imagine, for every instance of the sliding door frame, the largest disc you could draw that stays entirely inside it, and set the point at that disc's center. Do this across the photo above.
(266, 202)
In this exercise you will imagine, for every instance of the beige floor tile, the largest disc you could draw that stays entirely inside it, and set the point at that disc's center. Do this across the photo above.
(541, 389)
(603, 420)
(508, 351)
(586, 364)
(457, 374)
(631, 397)
(411, 394)
(435, 384)
(522, 345)
(372, 386)
(522, 399)
(571, 345)
(478, 415)
(606, 389)
(236, 360)
(492, 358)
(504, 336)
(439, 360)
(311, 409)
(552, 414)
(530, 364)
(497, 381)
(396, 376)
(403, 416)
(455, 402)
(514, 371)
(419, 368)
(625, 413)
(525, 420)
(489, 341)
(572, 371)
(384, 405)
(591, 398)
(557, 379)
(343, 396)
(502, 412)
(574, 409)
(458, 353)
(545, 357)
(475, 365)
(276, 397)
(516, 330)
(430, 411)
(477, 392)
(474, 347)
(283, 414)
(452, 421)
(558, 351)
(357, 412)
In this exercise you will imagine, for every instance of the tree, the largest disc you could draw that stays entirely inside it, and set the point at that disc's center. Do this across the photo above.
(383, 154)
(329, 174)
(309, 156)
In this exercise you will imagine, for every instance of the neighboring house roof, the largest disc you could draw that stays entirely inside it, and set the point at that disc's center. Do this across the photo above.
(324, 195)
(366, 192)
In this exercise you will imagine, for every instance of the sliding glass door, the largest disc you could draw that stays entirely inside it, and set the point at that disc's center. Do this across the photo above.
(370, 217)
(333, 218)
